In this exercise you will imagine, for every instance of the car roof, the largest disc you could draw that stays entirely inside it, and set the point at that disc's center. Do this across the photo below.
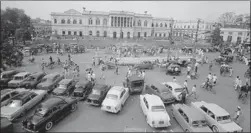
(216, 109)
(23, 95)
(116, 90)
(51, 102)
(5, 91)
(135, 78)
(65, 81)
(160, 87)
(192, 113)
(37, 74)
(153, 100)
(98, 86)
(22, 73)
(8, 72)
(51, 75)
(174, 85)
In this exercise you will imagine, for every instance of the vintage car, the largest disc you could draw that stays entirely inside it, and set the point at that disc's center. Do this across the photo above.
(50, 81)
(18, 79)
(144, 65)
(217, 117)
(82, 89)
(175, 89)
(7, 76)
(20, 104)
(32, 81)
(154, 111)
(115, 99)
(171, 69)
(6, 126)
(134, 83)
(65, 87)
(183, 62)
(49, 113)
(98, 94)
(161, 91)
(8, 94)
(189, 118)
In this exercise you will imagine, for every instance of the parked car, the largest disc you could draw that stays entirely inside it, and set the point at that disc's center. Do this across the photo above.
(175, 89)
(21, 103)
(82, 89)
(32, 81)
(217, 117)
(154, 111)
(8, 94)
(98, 94)
(115, 99)
(49, 113)
(171, 69)
(134, 83)
(161, 91)
(18, 79)
(144, 65)
(6, 126)
(7, 76)
(65, 87)
(50, 81)
(189, 118)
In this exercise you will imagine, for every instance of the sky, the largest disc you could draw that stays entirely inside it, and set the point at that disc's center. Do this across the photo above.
(179, 10)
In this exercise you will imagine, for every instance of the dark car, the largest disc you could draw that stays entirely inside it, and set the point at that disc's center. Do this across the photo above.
(50, 81)
(134, 83)
(49, 113)
(32, 80)
(82, 89)
(144, 65)
(18, 79)
(65, 87)
(6, 126)
(171, 69)
(7, 76)
(98, 94)
(161, 91)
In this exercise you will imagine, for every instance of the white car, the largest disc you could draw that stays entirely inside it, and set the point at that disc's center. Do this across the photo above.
(217, 117)
(175, 88)
(21, 103)
(154, 110)
(115, 99)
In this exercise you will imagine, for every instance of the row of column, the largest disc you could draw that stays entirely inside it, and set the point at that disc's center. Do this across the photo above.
(121, 21)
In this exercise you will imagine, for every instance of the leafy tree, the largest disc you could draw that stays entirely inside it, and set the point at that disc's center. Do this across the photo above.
(227, 18)
(215, 35)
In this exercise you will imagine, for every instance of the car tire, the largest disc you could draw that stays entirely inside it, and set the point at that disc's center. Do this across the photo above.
(187, 130)
(48, 126)
(73, 107)
(215, 129)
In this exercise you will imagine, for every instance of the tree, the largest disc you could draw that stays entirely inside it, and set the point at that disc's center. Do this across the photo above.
(227, 18)
(243, 20)
(215, 35)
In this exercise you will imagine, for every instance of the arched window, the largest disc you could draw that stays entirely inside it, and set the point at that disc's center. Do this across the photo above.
(165, 25)
(97, 33)
(74, 21)
(80, 21)
(97, 21)
(90, 33)
(152, 25)
(161, 25)
(156, 25)
(68, 21)
(159, 34)
(105, 22)
(145, 23)
(55, 21)
(90, 21)
(139, 23)
(62, 21)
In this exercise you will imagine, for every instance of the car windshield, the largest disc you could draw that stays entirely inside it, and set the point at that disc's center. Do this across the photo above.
(224, 119)
(40, 112)
(158, 108)
(62, 86)
(15, 103)
(112, 96)
(137, 84)
(18, 78)
(178, 89)
(31, 78)
(4, 76)
(96, 92)
(201, 123)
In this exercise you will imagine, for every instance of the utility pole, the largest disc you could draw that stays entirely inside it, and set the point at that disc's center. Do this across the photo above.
(196, 35)
(171, 32)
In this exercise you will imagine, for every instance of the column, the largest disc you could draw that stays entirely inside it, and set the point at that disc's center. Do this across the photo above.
(124, 21)
(111, 21)
(121, 21)
(127, 22)
(115, 22)
(130, 22)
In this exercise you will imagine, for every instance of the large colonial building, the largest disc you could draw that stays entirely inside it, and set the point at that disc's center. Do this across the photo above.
(235, 33)
(114, 24)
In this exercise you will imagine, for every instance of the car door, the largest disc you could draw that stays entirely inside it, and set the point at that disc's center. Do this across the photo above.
(33, 100)
(13, 94)
(26, 103)
(38, 80)
(122, 97)
(180, 118)
(62, 109)
(210, 118)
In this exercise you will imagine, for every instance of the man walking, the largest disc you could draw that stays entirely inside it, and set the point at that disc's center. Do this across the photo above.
(186, 86)
(196, 67)
(194, 92)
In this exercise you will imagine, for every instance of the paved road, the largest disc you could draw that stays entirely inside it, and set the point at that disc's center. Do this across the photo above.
(88, 118)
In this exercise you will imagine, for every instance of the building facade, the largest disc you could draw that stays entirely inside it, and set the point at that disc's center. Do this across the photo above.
(113, 24)
(41, 27)
(235, 34)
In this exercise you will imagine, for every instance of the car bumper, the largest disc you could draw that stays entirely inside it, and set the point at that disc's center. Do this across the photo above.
(111, 109)
(29, 130)
(167, 124)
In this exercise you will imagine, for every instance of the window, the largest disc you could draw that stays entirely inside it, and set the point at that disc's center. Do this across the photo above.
(55, 21)
(5, 98)
(69, 32)
(155, 34)
(97, 21)
(156, 25)
(152, 25)
(26, 100)
(146, 103)
(239, 33)
(33, 95)
(62, 21)
(90, 33)
(161, 25)
(193, 26)
(14, 93)
(74, 21)
(159, 34)
(75, 33)
(145, 23)
(105, 22)
(174, 26)
(68, 21)
(105, 34)
(134, 23)
(80, 21)
(112, 22)
(184, 26)
(122, 94)
(183, 115)
(63, 32)
(170, 25)
(211, 114)
(139, 23)
(188, 26)
(164, 35)
(166, 25)
(97, 33)
(90, 21)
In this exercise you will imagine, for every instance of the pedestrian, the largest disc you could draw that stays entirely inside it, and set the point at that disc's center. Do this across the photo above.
(183, 96)
(214, 79)
(143, 74)
(196, 67)
(186, 86)
(93, 61)
(174, 79)
(102, 67)
(209, 77)
(89, 76)
(237, 114)
(117, 70)
(194, 92)
(231, 70)
(74, 73)
(238, 83)
(211, 66)
(188, 70)
(78, 71)
(93, 77)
